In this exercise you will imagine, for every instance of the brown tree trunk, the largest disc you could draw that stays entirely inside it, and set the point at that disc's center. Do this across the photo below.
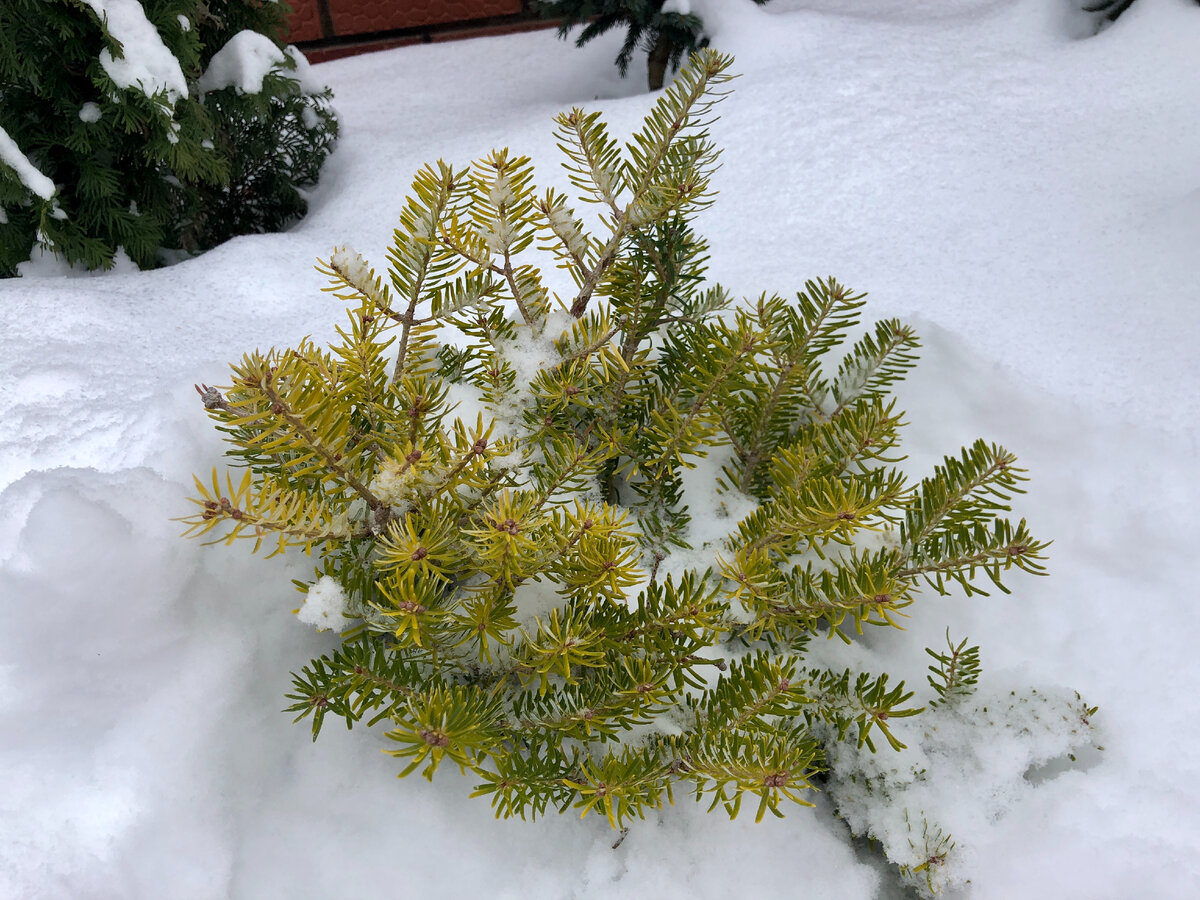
(660, 55)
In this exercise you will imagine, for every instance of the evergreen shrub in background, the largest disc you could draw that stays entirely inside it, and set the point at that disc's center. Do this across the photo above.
(1108, 11)
(152, 128)
(667, 30)
(503, 522)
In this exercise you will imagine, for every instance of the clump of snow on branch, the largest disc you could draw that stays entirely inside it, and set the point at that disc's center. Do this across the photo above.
(303, 73)
(145, 63)
(246, 59)
(324, 606)
(394, 483)
(27, 172)
(354, 270)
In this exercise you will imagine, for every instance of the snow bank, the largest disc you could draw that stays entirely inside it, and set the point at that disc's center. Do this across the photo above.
(1029, 202)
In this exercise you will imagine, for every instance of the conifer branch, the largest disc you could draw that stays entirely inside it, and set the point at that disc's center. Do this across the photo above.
(332, 460)
(962, 491)
(596, 169)
(956, 672)
(413, 256)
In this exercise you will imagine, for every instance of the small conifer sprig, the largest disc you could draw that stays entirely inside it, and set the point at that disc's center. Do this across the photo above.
(956, 673)
(505, 514)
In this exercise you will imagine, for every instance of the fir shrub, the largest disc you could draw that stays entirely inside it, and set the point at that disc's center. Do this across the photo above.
(151, 128)
(501, 521)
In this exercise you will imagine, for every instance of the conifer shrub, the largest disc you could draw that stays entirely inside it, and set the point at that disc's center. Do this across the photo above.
(1108, 11)
(1105, 12)
(498, 482)
(666, 30)
(151, 128)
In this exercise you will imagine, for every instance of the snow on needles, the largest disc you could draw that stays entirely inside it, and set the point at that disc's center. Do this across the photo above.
(324, 606)
(27, 172)
(145, 63)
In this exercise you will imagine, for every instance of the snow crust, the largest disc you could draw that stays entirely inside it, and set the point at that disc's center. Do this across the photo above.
(27, 172)
(1028, 199)
(145, 63)
(245, 60)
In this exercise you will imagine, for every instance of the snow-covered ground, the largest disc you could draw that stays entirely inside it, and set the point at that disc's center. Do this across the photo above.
(1029, 198)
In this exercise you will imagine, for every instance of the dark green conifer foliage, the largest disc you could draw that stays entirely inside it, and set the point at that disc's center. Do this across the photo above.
(509, 536)
(667, 36)
(1108, 11)
(143, 173)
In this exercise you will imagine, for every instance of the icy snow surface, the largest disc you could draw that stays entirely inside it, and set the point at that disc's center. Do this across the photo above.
(1027, 197)
(145, 61)
(245, 60)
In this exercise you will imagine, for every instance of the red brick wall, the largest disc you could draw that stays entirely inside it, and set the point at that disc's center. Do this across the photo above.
(352, 17)
(363, 16)
(304, 24)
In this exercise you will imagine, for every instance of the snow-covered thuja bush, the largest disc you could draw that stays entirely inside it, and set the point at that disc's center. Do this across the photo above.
(666, 30)
(147, 128)
(580, 546)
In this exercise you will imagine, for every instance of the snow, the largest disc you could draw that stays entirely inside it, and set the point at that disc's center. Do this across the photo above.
(353, 268)
(44, 263)
(394, 483)
(324, 606)
(27, 173)
(310, 82)
(145, 63)
(245, 60)
(963, 766)
(89, 112)
(1026, 198)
